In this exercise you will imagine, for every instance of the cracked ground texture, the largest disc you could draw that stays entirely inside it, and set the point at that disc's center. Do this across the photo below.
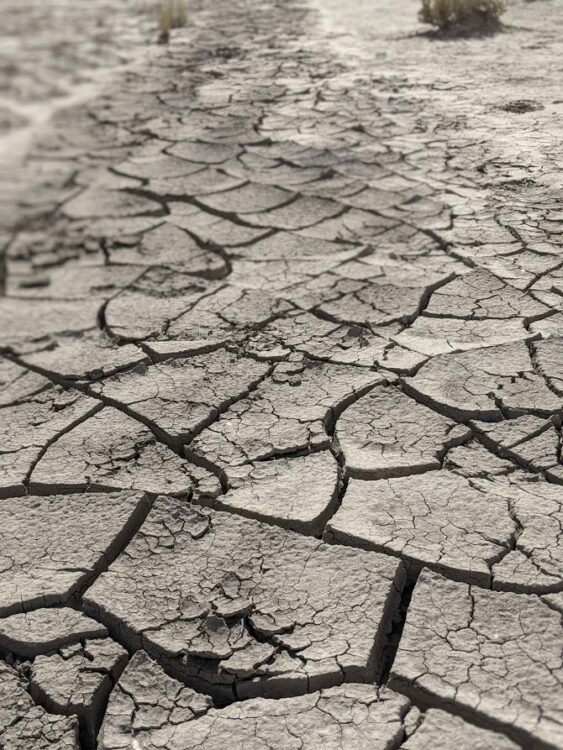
(281, 379)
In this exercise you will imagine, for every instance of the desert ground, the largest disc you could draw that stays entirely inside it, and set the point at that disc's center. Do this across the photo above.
(281, 378)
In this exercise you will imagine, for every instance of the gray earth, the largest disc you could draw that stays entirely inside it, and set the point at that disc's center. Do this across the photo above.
(281, 378)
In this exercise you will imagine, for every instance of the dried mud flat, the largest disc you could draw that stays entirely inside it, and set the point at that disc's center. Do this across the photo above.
(281, 383)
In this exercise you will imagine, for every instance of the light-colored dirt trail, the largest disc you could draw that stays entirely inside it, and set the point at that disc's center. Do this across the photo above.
(281, 382)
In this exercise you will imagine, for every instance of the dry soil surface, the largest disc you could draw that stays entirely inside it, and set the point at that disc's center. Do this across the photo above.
(281, 379)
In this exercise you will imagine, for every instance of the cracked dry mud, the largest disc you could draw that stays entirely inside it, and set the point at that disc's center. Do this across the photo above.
(241, 609)
(281, 379)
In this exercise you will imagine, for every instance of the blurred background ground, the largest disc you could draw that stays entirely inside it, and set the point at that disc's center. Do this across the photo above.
(58, 52)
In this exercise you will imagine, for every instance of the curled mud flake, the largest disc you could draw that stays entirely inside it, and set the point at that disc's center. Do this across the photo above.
(293, 593)
(494, 655)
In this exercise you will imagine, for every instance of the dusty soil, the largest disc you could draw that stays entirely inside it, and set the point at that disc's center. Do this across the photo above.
(281, 379)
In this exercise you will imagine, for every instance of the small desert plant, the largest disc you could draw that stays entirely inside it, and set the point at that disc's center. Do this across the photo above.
(172, 15)
(462, 14)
